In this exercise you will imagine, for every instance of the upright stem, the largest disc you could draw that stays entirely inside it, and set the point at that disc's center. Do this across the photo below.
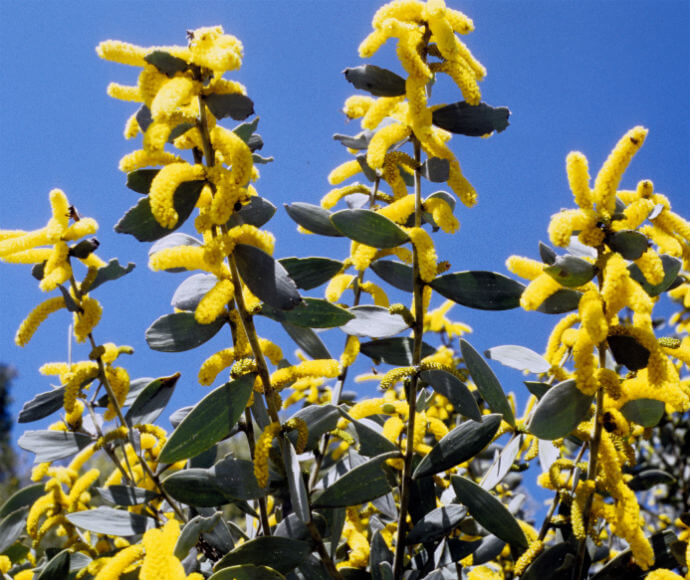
(418, 330)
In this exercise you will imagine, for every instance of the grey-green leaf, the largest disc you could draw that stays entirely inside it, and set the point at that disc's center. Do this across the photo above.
(152, 400)
(107, 520)
(459, 445)
(140, 180)
(111, 271)
(265, 277)
(518, 357)
(645, 412)
(319, 420)
(235, 477)
(378, 81)
(125, 495)
(233, 105)
(190, 292)
(453, 389)
(309, 273)
(209, 421)
(648, 478)
(58, 568)
(436, 170)
(281, 554)
(179, 331)
(307, 340)
(256, 212)
(560, 410)
(480, 289)
(312, 218)
(195, 486)
(23, 497)
(397, 274)
(571, 271)
(628, 243)
(247, 572)
(53, 445)
(173, 241)
(12, 526)
(311, 313)
(374, 322)
(393, 351)
(671, 269)
(368, 227)
(436, 524)
(166, 62)
(475, 121)
(561, 301)
(489, 512)
(359, 485)
(486, 381)
(192, 531)
(502, 464)
(42, 405)
(296, 487)
(371, 441)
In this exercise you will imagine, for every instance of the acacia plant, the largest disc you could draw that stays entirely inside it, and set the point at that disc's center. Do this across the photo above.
(277, 472)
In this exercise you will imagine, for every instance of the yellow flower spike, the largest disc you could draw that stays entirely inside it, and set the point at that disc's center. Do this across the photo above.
(124, 92)
(442, 214)
(122, 52)
(253, 236)
(211, 48)
(409, 38)
(344, 171)
(118, 378)
(400, 210)
(392, 428)
(391, 175)
(188, 257)
(34, 319)
(337, 285)
(163, 188)
(335, 195)
(140, 158)
(328, 368)
(634, 214)
(577, 169)
(667, 243)
(212, 305)
(25, 241)
(615, 286)
(592, 315)
(394, 376)
(235, 152)
(564, 223)
(384, 138)
(350, 351)
(57, 269)
(214, 364)
(80, 486)
(379, 110)
(362, 409)
(459, 184)
(33, 256)
(426, 253)
(159, 560)
(370, 45)
(377, 293)
(585, 363)
(404, 10)
(537, 291)
(609, 176)
(528, 556)
(86, 320)
(524, 267)
(84, 227)
(43, 505)
(663, 574)
(115, 566)
(302, 433)
(173, 93)
(651, 266)
(261, 450)
(357, 106)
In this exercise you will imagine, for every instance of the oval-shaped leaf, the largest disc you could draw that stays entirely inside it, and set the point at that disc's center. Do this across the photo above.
(281, 554)
(152, 400)
(475, 121)
(645, 412)
(42, 405)
(209, 421)
(571, 271)
(628, 243)
(486, 381)
(479, 289)
(235, 477)
(53, 445)
(374, 322)
(234, 105)
(312, 218)
(307, 340)
(107, 520)
(393, 351)
(247, 572)
(547, 254)
(359, 485)
(309, 273)
(140, 180)
(125, 495)
(671, 269)
(559, 411)
(502, 464)
(518, 357)
(560, 302)
(319, 419)
(195, 486)
(139, 221)
(111, 271)
(397, 274)
(489, 512)
(179, 331)
(453, 389)
(648, 478)
(536, 388)
(296, 488)
(192, 531)
(368, 227)
(461, 444)
(311, 313)
(359, 141)
(12, 526)
(265, 277)
(436, 524)
(256, 212)
(436, 170)
(378, 81)
(554, 563)
(626, 350)
(188, 294)
(166, 62)
(58, 568)
(22, 498)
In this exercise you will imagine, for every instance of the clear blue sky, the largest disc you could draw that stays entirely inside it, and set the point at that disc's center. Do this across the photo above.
(576, 75)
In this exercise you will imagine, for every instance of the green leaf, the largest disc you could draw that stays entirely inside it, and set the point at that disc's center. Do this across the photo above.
(247, 572)
(190, 292)
(312, 218)
(537, 389)
(307, 340)
(489, 512)
(233, 105)
(628, 243)
(562, 408)
(554, 563)
(179, 331)
(256, 212)
(312, 313)
(671, 270)
(196, 487)
(296, 488)
(479, 289)
(245, 130)
(571, 271)
(309, 273)
(436, 524)
(547, 254)
(265, 277)
(320, 419)
(53, 445)
(192, 531)
(209, 421)
(645, 412)
(42, 405)
(179, 130)
(359, 141)
(486, 382)
(623, 566)
(140, 180)
(368, 227)
(560, 302)
(256, 158)
(58, 567)
(139, 221)
(648, 478)
(393, 351)
(397, 274)
(359, 485)
(518, 357)
(475, 121)
(12, 526)
(174, 241)
(453, 389)
(436, 170)
(380, 555)
(459, 445)
(374, 322)
(151, 401)
(378, 81)
(502, 464)
(111, 271)
(107, 520)
(281, 554)
(135, 387)
(125, 495)
(626, 350)
(166, 62)
(235, 478)
(23, 497)
(144, 118)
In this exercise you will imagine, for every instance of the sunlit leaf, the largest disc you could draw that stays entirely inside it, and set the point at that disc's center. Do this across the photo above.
(53, 445)
(111, 521)
(307, 340)
(111, 271)
(179, 331)
(571, 271)
(312, 218)
(378, 81)
(126, 495)
(374, 322)
(518, 357)
(453, 389)
(480, 289)
(296, 488)
(12, 526)
(562, 408)
(190, 292)
(309, 273)
(502, 464)
(23, 497)
(368, 227)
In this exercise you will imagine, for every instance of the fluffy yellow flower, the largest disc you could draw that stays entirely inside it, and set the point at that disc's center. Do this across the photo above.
(211, 48)
(263, 445)
(577, 169)
(31, 323)
(235, 152)
(385, 138)
(164, 186)
(212, 305)
(344, 171)
(426, 253)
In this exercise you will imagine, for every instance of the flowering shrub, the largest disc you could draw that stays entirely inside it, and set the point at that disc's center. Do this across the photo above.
(277, 472)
